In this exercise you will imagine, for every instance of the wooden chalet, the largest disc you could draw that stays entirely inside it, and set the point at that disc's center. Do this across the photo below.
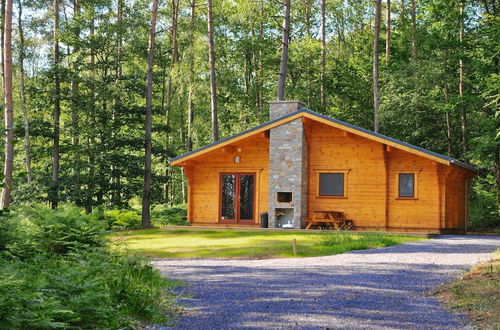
(303, 168)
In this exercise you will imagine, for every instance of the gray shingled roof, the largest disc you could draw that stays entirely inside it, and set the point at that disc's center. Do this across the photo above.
(305, 110)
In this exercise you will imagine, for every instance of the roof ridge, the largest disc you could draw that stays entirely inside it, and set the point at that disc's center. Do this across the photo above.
(354, 127)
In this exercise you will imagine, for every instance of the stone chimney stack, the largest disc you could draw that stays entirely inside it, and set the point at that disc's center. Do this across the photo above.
(281, 108)
(287, 168)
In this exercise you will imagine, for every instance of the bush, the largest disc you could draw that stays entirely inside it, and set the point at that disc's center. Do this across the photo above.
(341, 241)
(174, 215)
(122, 219)
(65, 230)
(77, 282)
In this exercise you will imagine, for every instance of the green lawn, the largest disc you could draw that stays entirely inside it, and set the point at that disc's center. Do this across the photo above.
(230, 243)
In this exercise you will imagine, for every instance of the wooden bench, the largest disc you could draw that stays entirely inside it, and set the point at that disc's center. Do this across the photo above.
(329, 217)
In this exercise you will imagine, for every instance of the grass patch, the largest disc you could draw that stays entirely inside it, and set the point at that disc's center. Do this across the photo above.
(477, 293)
(251, 244)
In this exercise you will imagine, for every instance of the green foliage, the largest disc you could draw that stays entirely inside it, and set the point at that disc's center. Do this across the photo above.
(342, 241)
(63, 231)
(102, 108)
(484, 211)
(122, 219)
(76, 282)
(174, 215)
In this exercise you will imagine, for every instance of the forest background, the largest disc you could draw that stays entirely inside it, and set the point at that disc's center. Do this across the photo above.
(428, 69)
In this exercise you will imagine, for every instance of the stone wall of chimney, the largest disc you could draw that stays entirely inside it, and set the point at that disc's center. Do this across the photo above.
(288, 164)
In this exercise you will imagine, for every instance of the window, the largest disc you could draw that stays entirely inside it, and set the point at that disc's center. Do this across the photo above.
(407, 185)
(331, 184)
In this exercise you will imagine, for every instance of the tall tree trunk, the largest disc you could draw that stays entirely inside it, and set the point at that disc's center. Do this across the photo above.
(414, 30)
(57, 112)
(190, 114)
(27, 142)
(8, 110)
(307, 12)
(173, 60)
(115, 173)
(448, 119)
(463, 111)
(388, 32)
(2, 41)
(213, 89)
(376, 35)
(323, 54)
(146, 198)
(284, 52)
(260, 80)
(89, 201)
(75, 139)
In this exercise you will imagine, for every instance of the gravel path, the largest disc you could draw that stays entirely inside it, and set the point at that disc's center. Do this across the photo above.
(370, 289)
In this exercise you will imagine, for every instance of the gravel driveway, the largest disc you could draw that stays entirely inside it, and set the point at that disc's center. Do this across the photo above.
(379, 288)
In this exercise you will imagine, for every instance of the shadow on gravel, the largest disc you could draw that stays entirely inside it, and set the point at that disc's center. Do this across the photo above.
(353, 296)
(362, 292)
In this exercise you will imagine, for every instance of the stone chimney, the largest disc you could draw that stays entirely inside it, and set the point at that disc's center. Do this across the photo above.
(287, 168)
(281, 108)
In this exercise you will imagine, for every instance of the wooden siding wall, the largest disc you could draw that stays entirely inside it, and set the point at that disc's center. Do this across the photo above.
(330, 149)
(424, 210)
(371, 169)
(371, 165)
(204, 173)
(455, 199)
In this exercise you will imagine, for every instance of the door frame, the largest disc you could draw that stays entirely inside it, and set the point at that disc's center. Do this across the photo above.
(237, 198)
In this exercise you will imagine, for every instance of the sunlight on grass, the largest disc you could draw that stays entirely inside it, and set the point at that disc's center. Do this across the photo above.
(229, 243)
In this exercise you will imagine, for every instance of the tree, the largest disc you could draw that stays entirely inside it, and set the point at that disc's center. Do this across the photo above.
(57, 112)
(323, 53)
(9, 108)
(213, 89)
(388, 32)
(463, 111)
(22, 94)
(414, 30)
(284, 51)
(146, 199)
(376, 97)
(190, 112)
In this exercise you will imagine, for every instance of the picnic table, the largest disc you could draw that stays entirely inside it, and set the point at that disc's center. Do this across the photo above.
(329, 217)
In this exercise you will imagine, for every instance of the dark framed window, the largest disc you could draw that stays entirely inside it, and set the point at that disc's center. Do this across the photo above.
(331, 184)
(406, 184)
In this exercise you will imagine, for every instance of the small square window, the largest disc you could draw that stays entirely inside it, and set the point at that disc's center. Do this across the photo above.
(331, 184)
(406, 185)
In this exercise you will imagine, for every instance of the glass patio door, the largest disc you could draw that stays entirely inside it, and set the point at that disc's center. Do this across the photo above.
(237, 195)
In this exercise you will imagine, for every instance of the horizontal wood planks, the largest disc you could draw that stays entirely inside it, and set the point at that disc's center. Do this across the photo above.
(331, 149)
(204, 180)
(368, 202)
(371, 170)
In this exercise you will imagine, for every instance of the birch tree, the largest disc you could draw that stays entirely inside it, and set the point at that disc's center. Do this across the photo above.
(8, 110)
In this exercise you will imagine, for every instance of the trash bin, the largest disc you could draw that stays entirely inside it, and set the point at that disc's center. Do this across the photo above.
(264, 220)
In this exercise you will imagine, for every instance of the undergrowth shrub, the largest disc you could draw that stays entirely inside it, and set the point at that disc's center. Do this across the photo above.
(60, 231)
(76, 282)
(343, 240)
(173, 215)
(122, 219)
(484, 213)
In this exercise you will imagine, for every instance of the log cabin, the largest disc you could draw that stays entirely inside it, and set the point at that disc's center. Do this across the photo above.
(301, 163)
